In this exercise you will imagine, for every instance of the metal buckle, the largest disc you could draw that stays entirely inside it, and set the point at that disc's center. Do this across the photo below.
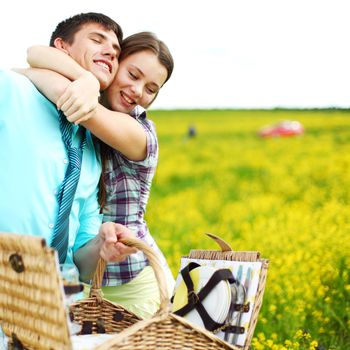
(192, 297)
(242, 307)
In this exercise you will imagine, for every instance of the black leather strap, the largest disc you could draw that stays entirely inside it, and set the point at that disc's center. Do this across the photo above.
(234, 329)
(185, 273)
(195, 300)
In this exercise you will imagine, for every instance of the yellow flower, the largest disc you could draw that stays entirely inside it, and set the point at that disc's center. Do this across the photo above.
(287, 342)
(313, 345)
(272, 308)
(299, 334)
(306, 335)
(261, 336)
(269, 343)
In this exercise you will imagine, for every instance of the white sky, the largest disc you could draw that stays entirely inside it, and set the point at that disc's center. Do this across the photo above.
(228, 53)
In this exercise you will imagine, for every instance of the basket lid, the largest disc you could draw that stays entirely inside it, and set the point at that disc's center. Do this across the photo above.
(31, 295)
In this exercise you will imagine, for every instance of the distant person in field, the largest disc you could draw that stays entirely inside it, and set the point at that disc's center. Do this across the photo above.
(192, 132)
(128, 147)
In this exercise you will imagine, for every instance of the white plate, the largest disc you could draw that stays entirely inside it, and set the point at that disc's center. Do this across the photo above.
(217, 303)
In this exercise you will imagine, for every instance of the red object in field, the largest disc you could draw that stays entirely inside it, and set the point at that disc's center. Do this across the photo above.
(284, 128)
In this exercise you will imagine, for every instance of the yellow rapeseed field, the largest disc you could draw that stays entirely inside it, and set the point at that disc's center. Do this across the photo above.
(288, 198)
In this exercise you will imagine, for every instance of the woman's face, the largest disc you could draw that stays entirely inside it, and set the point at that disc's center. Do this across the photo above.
(138, 80)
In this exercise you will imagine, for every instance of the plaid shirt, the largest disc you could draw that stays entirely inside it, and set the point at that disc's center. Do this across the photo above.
(128, 185)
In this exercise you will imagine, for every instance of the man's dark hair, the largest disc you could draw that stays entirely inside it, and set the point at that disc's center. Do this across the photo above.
(67, 28)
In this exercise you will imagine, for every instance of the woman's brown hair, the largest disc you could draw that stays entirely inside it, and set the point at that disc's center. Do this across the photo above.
(147, 41)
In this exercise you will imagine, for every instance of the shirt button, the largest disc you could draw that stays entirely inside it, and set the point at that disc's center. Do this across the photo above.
(50, 225)
(65, 160)
(55, 192)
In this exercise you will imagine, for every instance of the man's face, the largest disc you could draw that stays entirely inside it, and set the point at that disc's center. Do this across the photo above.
(96, 49)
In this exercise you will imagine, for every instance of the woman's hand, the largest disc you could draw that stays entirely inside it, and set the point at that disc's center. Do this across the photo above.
(112, 250)
(80, 99)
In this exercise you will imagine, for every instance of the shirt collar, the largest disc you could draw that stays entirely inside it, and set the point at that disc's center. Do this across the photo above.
(138, 112)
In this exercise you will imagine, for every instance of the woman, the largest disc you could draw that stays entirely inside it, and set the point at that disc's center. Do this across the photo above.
(129, 150)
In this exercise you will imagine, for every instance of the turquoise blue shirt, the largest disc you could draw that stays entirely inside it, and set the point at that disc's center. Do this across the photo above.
(33, 163)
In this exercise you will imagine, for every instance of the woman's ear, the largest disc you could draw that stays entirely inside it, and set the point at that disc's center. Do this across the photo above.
(60, 44)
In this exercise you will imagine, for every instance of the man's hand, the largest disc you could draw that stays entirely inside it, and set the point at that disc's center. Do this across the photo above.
(80, 99)
(112, 250)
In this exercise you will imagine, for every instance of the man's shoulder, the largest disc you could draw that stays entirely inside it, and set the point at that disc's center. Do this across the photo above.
(13, 84)
(11, 80)
(11, 76)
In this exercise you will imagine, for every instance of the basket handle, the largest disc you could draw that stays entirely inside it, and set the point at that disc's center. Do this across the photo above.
(225, 247)
(154, 263)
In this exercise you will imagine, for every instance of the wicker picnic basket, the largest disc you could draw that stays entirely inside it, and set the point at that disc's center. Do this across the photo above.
(32, 313)
(32, 310)
(227, 253)
(165, 331)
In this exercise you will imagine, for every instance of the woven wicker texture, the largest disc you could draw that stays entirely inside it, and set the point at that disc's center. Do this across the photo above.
(226, 253)
(165, 332)
(31, 293)
(98, 311)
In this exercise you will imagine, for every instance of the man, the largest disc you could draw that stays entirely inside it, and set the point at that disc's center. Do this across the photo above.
(34, 156)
